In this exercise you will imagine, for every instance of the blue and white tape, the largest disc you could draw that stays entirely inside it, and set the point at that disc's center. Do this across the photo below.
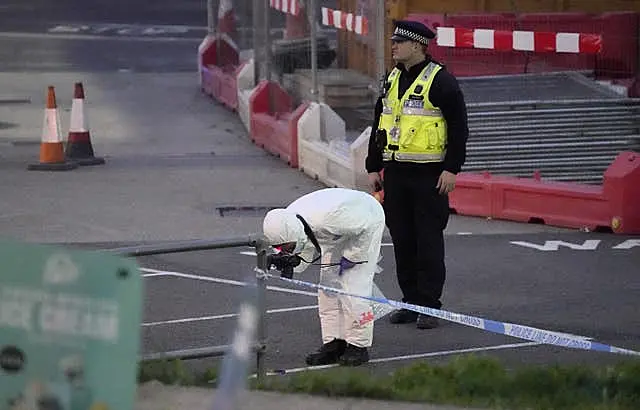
(503, 328)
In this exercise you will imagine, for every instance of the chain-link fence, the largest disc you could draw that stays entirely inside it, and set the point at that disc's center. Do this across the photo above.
(342, 37)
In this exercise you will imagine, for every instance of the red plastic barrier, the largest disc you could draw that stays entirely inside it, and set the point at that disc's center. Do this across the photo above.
(614, 205)
(622, 190)
(219, 70)
(472, 195)
(275, 131)
(552, 203)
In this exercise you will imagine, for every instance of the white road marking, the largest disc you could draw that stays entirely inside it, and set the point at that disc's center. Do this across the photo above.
(588, 245)
(119, 28)
(152, 275)
(411, 357)
(225, 316)
(224, 281)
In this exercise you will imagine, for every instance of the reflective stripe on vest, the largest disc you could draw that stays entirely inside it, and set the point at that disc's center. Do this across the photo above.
(421, 111)
(413, 157)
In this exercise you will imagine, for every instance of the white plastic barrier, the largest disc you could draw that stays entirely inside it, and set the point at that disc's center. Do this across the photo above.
(359, 150)
(245, 88)
(324, 152)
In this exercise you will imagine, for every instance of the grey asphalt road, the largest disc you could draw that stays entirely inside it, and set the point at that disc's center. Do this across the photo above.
(70, 35)
(141, 36)
(592, 292)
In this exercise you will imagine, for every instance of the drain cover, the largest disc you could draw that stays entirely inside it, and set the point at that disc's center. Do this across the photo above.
(245, 210)
(7, 125)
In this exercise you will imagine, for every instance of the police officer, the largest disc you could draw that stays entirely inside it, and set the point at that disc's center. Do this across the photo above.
(419, 140)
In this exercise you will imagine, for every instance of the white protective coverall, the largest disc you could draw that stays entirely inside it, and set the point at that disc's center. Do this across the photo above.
(347, 223)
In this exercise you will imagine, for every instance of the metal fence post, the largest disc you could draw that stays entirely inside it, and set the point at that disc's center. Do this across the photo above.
(266, 35)
(210, 17)
(313, 31)
(256, 12)
(380, 40)
(263, 267)
(268, 55)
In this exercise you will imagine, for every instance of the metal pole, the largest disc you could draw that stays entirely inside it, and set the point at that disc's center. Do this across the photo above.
(311, 12)
(266, 35)
(267, 53)
(233, 375)
(195, 353)
(380, 41)
(210, 17)
(183, 246)
(212, 32)
(257, 12)
(262, 265)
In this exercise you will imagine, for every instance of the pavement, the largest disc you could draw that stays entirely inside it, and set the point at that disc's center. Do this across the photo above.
(180, 167)
(155, 396)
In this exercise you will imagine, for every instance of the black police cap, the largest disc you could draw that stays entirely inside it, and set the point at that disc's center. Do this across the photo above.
(413, 31)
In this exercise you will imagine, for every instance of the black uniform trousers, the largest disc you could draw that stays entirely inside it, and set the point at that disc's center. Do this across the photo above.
(416, 215)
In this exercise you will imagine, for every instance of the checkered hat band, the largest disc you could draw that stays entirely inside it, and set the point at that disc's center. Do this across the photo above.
(411, 35)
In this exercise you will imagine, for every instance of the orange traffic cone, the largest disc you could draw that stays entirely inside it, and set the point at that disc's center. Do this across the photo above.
(79, 146)
(51, 148)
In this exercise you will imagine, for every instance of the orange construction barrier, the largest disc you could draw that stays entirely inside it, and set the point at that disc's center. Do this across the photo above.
(79, 147)
(51, 148)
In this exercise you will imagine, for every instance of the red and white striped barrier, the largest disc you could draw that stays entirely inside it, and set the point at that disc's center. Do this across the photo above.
(286, 6)
(346, 21)
(519, 40)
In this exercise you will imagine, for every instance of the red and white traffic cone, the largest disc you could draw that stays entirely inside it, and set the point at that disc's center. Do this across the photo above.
(79, 147)
(52, 147)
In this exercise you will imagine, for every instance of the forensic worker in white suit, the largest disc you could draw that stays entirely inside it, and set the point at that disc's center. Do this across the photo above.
(347, 227)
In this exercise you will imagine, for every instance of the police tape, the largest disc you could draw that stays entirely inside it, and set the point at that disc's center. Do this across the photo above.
(504, 328)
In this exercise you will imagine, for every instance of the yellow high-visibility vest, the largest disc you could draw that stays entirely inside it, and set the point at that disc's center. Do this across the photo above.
(416, 130)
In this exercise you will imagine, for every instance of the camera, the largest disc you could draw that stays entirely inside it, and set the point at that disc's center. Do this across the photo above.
(284, 263)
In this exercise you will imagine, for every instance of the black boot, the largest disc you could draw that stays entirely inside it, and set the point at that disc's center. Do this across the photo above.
(354, 356)
(329, 353)
(427, 322)
(403, 316)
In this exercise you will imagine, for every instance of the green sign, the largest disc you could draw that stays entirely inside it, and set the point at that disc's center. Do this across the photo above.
(69, 329)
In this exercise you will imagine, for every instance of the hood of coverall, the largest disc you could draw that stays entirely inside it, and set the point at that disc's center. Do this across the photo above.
(283, 226)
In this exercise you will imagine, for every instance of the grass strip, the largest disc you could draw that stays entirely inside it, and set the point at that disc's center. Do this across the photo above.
(468, 380)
